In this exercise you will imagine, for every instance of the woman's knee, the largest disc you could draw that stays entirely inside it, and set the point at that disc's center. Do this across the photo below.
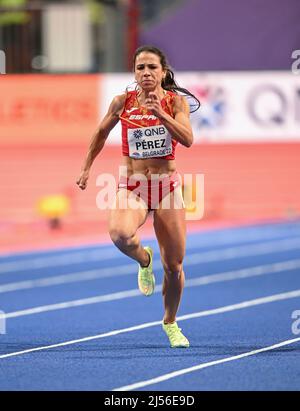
(173, 267)
(120, 235)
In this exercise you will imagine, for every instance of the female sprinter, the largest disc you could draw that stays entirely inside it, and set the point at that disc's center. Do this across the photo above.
(154, 119)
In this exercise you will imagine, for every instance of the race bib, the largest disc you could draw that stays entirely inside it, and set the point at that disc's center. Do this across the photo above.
(146, 142)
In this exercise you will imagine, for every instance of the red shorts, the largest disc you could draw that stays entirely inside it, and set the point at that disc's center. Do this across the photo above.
(151, 191)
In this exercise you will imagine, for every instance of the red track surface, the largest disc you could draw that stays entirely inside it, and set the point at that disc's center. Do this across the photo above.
(243, 182)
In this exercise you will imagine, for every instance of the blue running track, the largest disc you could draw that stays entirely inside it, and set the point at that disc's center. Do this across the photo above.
(76, 321)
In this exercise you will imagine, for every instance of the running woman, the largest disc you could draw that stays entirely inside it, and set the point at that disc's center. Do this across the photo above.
(154, 119)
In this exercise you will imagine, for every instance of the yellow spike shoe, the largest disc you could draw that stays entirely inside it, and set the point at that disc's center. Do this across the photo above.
(177, 339)
(146, 279)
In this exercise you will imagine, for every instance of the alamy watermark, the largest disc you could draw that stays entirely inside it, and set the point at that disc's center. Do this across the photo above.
(296, 64)
(159, 191)
(2, 62)
(296, 323)
(2, 322)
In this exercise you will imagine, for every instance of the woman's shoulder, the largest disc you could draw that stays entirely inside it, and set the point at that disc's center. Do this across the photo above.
(180, 101)
(119, 99)
(174, 99)
(118, 103)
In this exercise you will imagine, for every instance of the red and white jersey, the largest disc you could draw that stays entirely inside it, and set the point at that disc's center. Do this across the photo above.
(143, 135)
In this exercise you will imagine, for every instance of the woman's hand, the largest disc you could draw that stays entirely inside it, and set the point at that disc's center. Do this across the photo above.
(82, 180)
(153, 103)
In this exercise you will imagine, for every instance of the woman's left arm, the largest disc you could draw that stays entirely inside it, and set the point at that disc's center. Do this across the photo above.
(179, 126)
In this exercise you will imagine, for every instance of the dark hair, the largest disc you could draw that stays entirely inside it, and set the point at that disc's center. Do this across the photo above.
(168, 83)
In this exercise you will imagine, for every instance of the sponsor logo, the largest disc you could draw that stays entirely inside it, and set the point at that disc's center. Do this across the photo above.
(138, 134)
(213, 106)
(154, 131)
(131, 109)
(143, 117)
(267, 105)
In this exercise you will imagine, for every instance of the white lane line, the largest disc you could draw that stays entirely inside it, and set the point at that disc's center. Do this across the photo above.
(244, 273)
(101, 254)
(269, 247)
(220, 310)
(81, 340)
(59, 260)
(70, 278)
(75, 303)
(198, 367)
(204, 280)
(190, 259)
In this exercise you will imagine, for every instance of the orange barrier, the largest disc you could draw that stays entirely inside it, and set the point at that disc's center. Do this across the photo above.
(48, 109)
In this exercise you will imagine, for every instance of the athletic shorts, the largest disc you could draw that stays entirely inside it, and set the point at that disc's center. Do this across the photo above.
(152, 191)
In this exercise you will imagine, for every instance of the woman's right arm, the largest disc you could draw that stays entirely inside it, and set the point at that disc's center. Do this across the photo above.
(98, 140)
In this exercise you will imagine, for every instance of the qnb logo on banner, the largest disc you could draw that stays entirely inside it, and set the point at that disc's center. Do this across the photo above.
(273, 108)
(268, 105)
(2, 62)
(246, 106)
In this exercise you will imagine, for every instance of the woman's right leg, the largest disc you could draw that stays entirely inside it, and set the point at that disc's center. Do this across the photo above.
(123, 225)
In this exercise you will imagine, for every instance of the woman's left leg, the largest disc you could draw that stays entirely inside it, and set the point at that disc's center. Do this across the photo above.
(170, 230)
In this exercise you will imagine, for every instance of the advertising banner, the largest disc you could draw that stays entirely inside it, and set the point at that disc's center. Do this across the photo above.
(235, 106)
(48, 109)
(66, 109)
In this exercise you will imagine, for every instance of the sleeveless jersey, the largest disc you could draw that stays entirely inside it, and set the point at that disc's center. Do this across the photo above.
(143, 135)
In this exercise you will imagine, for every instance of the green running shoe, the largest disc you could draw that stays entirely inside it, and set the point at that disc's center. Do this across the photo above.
(177, 339)
(146, 279)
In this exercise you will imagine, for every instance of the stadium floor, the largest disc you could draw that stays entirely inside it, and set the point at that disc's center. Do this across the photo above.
(76, 321)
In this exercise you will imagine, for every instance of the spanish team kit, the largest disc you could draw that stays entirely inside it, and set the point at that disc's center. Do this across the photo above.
(143, 135)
